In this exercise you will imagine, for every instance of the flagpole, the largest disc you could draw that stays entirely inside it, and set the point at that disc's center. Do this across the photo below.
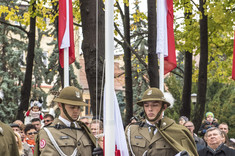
(109, 79)
(66, 67)
(161, 74)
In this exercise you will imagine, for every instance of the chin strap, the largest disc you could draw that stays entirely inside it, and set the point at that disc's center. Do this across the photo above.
(66, 113)
(157, 116)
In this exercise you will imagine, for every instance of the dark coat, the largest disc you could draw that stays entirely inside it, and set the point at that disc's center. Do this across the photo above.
(206, 125)
(221, 151)
(200, 143)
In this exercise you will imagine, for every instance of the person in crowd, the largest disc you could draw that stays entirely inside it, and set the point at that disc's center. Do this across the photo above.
(209, 122)
(96, 127)
(97, 131)
(8, 145)
(15, 127)
(34, 111)
(18, 122)
(30, 133)
(224, 127)
(215, 145)
(48, 119)
(199, 141)
(19, 143)
(72, 136)
(85, 120)
(27, 150)
(158, 134)
(22, 134)
(182, 120)
(37, 123)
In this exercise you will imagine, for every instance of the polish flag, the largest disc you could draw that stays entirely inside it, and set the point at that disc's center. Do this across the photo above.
(165, 34)
(65, 32)
(233, 68)
(121, 148)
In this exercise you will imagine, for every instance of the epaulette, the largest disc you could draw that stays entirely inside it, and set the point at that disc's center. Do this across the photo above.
(139, 123)
(59, 126)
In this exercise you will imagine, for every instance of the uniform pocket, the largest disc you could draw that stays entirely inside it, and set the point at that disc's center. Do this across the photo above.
(138, 141)
(161, 147)
(86, 142)
(65, 142)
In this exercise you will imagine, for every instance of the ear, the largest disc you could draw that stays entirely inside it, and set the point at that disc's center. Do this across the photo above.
(59, 105)
(164, 107)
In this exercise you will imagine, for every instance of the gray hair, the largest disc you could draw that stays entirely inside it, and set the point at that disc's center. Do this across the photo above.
(212, 129)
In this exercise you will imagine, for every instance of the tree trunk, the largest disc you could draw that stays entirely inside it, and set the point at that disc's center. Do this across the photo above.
(26, 88)
(89, 47)
(152, 56)
(186, 97)
(128, 72)
(202, 77)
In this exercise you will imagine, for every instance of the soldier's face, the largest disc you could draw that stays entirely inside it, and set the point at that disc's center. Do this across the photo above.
(152, 108)
(72, 110)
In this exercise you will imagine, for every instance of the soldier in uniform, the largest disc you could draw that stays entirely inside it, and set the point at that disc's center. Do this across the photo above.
(8, 146)
(65, 135)
(158, 135)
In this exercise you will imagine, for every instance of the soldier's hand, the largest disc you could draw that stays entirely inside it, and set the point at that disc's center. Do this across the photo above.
(97, 151)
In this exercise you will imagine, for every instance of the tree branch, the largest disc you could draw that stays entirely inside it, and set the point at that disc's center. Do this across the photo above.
(121, 12)
(131, 48)
(195, 4)
(16, 26)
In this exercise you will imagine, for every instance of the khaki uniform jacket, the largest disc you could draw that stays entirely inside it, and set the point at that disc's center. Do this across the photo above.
(66, 139)
(8, 146)
(169, 140)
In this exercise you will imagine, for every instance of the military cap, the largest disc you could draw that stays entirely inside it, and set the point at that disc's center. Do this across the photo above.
(71, 96)
(153, 94)
(14, 125)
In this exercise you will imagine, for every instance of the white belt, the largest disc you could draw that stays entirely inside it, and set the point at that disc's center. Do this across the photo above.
(56, 145)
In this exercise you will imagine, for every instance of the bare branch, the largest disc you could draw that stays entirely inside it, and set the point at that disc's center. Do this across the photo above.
(121, 12)
(131, 48)
(194, 4)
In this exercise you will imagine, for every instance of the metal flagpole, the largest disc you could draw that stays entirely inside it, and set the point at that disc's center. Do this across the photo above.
(109, 79)
(66, 67)
(161, 74)
(66, 51)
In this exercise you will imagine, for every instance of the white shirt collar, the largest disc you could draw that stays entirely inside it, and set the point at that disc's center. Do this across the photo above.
(67, 122)
(155, 131)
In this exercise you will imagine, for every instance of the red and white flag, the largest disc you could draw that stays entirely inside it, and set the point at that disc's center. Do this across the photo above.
(65, 32)
(233, 68)
(121, 148)
(165, 34)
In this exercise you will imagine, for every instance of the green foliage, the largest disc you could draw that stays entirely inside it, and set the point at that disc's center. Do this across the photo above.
(222, 104)
(175, 87)
(122, 104)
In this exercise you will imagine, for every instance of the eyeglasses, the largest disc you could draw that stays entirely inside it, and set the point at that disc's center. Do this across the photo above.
(47, 121)
(31, 133)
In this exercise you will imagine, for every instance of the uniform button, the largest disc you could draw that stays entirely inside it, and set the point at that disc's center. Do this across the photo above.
(150, 146)
(79, 143)
(79, 154)
(137, 143)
